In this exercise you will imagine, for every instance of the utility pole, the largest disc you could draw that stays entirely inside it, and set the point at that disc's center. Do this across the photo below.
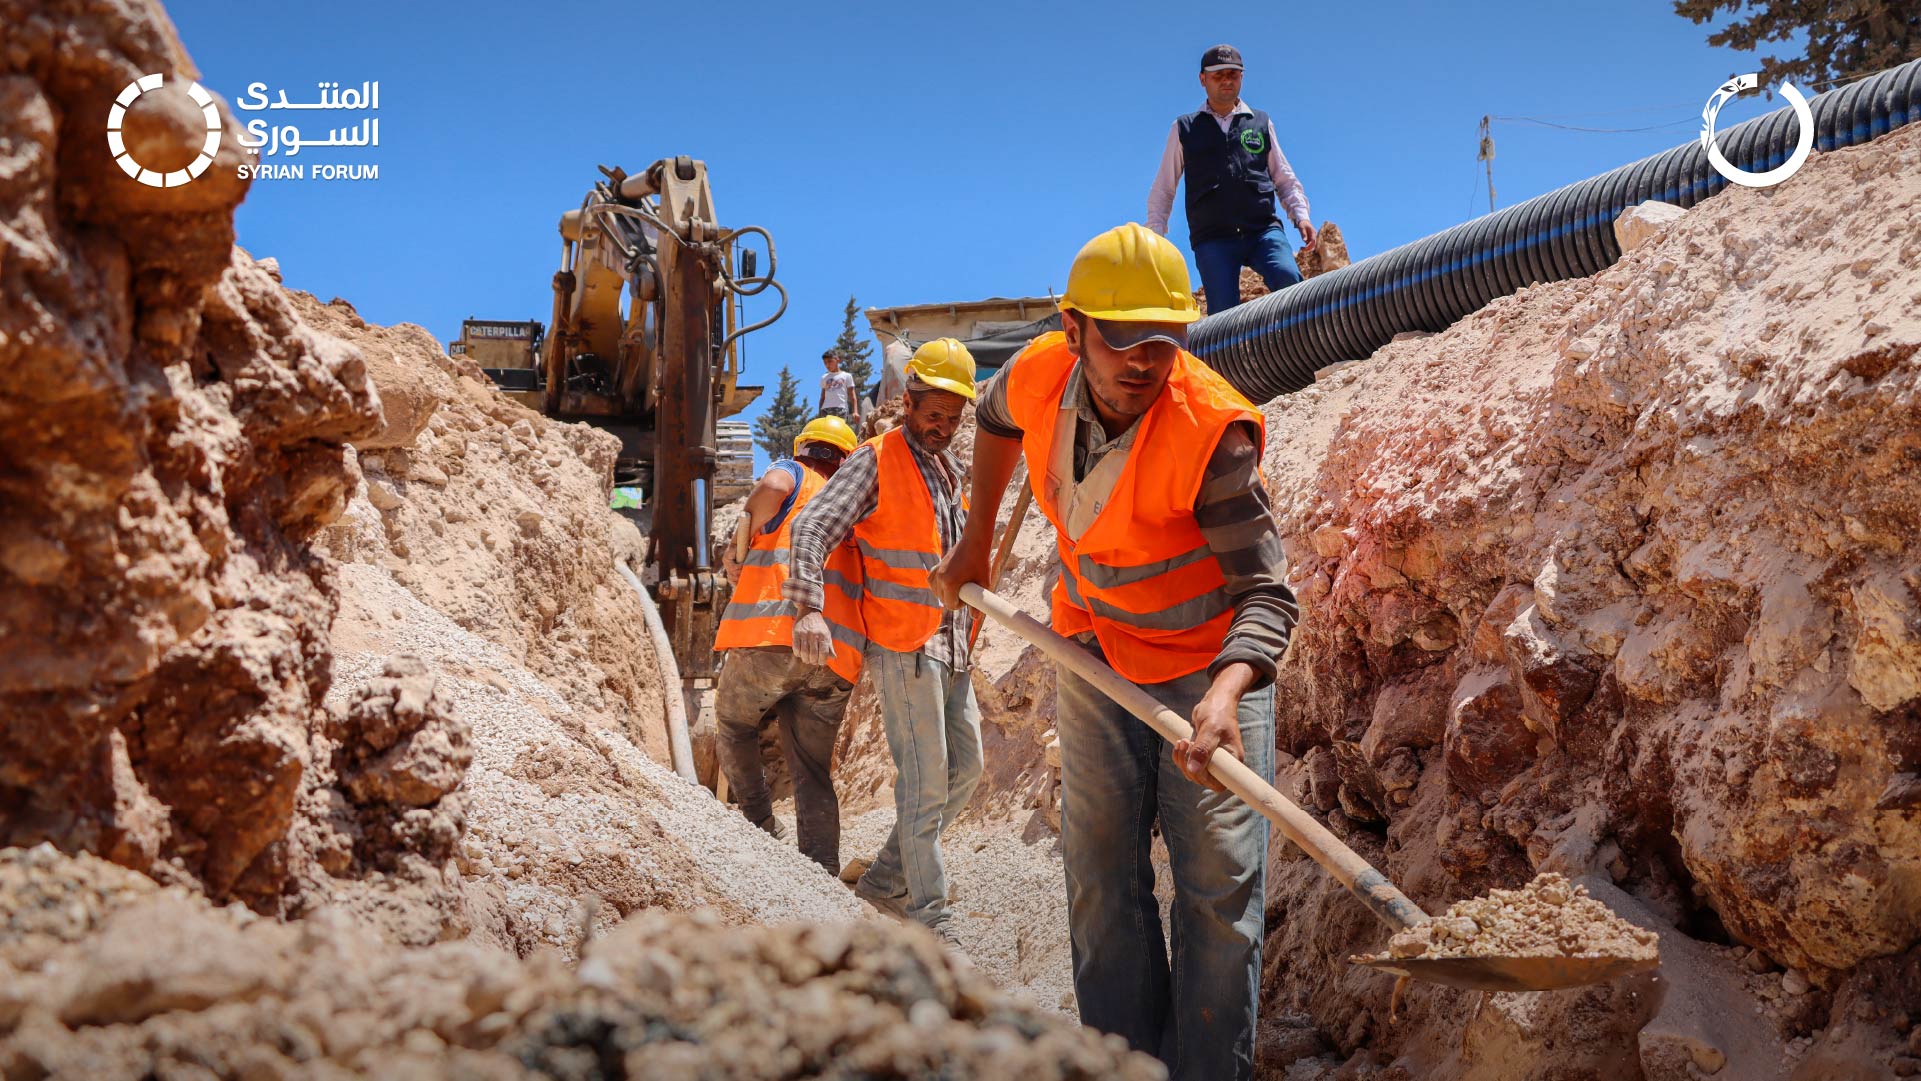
(1487, 155)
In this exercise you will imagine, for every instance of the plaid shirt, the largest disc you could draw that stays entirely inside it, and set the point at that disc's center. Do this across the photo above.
(1232, 511)
(851, 494)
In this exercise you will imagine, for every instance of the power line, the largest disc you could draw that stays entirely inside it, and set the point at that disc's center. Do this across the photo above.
(1598, 131)
(1549, 120)
(1619, 112)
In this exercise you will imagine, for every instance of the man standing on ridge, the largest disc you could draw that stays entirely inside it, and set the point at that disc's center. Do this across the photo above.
(836, 389)
(1234, 168)
(900, 497)
(761, 671)
(1147, 463)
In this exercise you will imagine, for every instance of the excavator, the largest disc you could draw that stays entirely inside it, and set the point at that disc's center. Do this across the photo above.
(644, 344)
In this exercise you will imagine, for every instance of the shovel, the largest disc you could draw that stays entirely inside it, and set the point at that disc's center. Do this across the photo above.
(1001, 555)
(1362, 880)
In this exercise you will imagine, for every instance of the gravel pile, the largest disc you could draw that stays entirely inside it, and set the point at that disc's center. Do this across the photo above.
(1010, 895)
(562, 806)
(1548, 917)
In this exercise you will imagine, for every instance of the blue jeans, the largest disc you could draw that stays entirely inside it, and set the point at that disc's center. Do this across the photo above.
(934, 733)
(1221, 261)
(1117, 777)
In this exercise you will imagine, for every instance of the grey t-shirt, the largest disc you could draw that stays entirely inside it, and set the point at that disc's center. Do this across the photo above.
(836, 390)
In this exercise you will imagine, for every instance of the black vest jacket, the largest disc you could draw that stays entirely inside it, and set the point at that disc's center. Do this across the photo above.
(1229, 189)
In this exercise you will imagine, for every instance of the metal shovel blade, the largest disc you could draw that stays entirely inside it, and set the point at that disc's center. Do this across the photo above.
(1511, 973)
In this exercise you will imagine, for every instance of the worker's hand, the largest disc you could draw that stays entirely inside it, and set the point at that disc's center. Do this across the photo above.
(813, 641)
(1309, 235)
(966, 562)
(1216, 724)
(730, 562)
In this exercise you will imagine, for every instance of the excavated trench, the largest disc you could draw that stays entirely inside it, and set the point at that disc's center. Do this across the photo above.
(329, 744)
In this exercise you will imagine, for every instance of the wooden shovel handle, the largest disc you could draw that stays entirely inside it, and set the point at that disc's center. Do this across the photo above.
(1001, 555)
(1347, 867)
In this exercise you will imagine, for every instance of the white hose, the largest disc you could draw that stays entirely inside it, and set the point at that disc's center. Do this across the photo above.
(680, 746)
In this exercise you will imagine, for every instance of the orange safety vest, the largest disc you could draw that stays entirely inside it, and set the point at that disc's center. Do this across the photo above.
(899, 546)
(757, 615)
(1139, 573)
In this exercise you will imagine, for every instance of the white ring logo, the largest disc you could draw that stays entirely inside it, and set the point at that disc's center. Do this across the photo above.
(140, 172)
(1804, 143)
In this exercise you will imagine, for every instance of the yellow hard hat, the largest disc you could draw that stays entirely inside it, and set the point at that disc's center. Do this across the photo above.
(945, 364)
(1131, 274)
(830, 430)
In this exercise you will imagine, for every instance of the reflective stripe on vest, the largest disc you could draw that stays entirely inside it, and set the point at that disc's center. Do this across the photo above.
(757, 616)
(899, 544)
(1136, 569)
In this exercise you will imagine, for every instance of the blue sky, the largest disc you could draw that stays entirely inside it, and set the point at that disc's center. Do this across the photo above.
(912, 153)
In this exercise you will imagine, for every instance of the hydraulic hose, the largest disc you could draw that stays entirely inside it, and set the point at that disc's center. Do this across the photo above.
(1274, 344)
(680, 744)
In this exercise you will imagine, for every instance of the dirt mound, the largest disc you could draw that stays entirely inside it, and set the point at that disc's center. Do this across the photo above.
(482, 553)
(496, 516)
(174, 436)
(666, 996)
(1612, 578)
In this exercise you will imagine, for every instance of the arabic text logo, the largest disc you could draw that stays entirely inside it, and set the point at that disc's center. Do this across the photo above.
(1252, 140)
(1803, 146)
(118, 115)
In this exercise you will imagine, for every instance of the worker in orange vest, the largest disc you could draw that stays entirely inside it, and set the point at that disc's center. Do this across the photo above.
(761, 673)
(899, 496)
(1147, 463)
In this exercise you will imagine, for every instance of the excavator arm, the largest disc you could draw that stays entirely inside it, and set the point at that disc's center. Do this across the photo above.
(644, 344)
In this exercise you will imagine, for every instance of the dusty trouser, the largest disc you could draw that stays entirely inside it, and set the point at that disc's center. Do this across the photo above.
(1117, 777)
(934, 732)
(808, 701)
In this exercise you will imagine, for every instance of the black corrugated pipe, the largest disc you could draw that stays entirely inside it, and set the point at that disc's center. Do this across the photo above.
(1273, 345)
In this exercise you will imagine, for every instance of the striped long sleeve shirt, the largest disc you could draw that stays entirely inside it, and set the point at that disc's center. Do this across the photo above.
(1232, 511)
(848, 498)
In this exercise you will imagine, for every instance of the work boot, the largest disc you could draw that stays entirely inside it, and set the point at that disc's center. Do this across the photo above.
(948, 931)
(894, 904)
(773, 827)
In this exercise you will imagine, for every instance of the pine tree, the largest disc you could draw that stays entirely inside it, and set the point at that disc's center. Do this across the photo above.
(854, 352)
(775, 429)
(1843, 40)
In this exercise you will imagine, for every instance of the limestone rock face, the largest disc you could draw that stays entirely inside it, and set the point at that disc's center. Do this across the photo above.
(173, 436)
(1638, 550)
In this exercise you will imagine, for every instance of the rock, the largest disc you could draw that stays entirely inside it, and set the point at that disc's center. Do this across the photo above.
(1794, 983)
(381, 494)
(1329, 252)
(175, 437)
(1554, 684)
(1323, 779)
(1902, 793)
(169, 986)
(1487, 740)
(1692, 696)
(121, 978)
(1639, 224)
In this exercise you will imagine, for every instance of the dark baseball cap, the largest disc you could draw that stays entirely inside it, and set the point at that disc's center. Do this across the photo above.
(1221, 58)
